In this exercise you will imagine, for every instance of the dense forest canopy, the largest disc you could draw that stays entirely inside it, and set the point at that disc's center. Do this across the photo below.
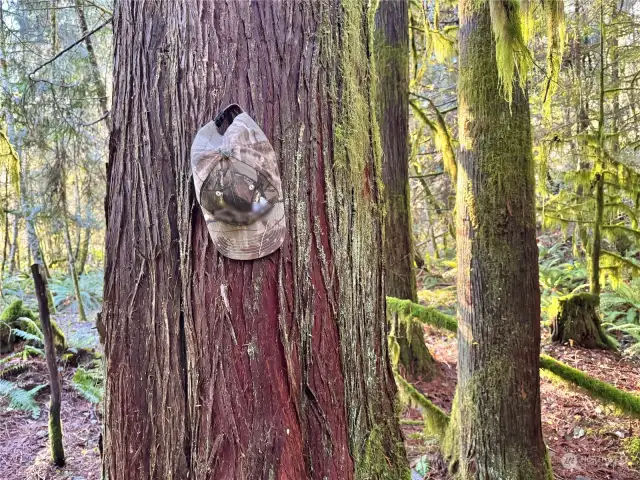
(461, 183)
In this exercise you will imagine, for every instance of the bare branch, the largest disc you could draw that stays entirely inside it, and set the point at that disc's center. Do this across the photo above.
(74, 44)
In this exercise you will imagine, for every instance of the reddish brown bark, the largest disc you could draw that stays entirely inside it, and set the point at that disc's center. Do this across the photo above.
(220, 369)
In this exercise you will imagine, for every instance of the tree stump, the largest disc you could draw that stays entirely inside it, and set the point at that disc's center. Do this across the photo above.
(576, 321)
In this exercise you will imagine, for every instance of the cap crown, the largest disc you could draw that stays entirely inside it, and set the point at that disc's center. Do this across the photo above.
(238, 186)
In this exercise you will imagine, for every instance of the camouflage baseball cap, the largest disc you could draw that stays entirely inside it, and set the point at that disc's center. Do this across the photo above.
(238, 186)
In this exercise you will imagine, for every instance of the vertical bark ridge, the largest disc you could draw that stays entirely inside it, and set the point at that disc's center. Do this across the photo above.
(498, 292)
(283, 354)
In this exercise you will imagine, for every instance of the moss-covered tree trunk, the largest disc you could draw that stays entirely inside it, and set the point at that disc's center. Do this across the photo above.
(497, 417)
(392, 62)
(55, 424)
(14, 244)
(392, 65)
(269, 369)
(83, 251)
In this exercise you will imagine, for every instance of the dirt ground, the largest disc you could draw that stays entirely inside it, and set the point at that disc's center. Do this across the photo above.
(24, 452)
(584, 436)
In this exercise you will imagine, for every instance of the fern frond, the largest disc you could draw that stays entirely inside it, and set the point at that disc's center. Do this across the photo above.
(13, 369)
(31, 327)
(20, 399)
(29, 337)
(88, 385)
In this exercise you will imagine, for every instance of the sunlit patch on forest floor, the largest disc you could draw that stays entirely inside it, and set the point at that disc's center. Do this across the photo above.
(24, 445)
(585, 438)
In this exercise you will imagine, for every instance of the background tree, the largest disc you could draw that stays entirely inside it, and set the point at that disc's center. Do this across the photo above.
(272, 368)
(392, 65)
(49, 110)
(497, 406)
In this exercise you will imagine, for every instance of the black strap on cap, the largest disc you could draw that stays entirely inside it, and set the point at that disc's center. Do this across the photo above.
(226, 116)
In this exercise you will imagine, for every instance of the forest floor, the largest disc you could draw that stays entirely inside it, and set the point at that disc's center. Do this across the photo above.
(24, 444)
(585, 438)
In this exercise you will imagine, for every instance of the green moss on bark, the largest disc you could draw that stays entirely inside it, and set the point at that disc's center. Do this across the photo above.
(436, 420)
(55, 438)
(10, 318)
(374, 432)
(379, 459)
(414, 354)
(450, 441)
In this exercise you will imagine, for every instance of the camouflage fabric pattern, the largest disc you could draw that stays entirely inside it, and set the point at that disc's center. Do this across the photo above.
(239, 190)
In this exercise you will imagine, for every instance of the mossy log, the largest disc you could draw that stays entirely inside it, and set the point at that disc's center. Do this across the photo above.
(625, 401)
(11, 319)
(575, 320)
(426, 315)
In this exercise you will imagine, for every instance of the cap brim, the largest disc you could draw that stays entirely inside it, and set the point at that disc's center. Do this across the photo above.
(249, 242)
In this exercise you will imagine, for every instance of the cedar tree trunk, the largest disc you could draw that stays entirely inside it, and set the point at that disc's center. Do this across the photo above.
(269, 369)
(498, 399)
(392, 65)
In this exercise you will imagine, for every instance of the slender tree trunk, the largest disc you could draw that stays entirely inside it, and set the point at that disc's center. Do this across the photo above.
(596, 248)
(78, 214)
(5, 237)
(72, 271)
(67, 236)
(99, 86)
(14, 244)
(7, 116)
(83, 251)
(55, 425)
(269, 369)
(392, 62)
(34, 252)
(498, 401)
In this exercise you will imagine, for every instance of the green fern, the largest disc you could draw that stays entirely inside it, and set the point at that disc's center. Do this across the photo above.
(63, 290)
(28, 337)
(13, 369)
(621, 311)
(20, 399)
(88, 383)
